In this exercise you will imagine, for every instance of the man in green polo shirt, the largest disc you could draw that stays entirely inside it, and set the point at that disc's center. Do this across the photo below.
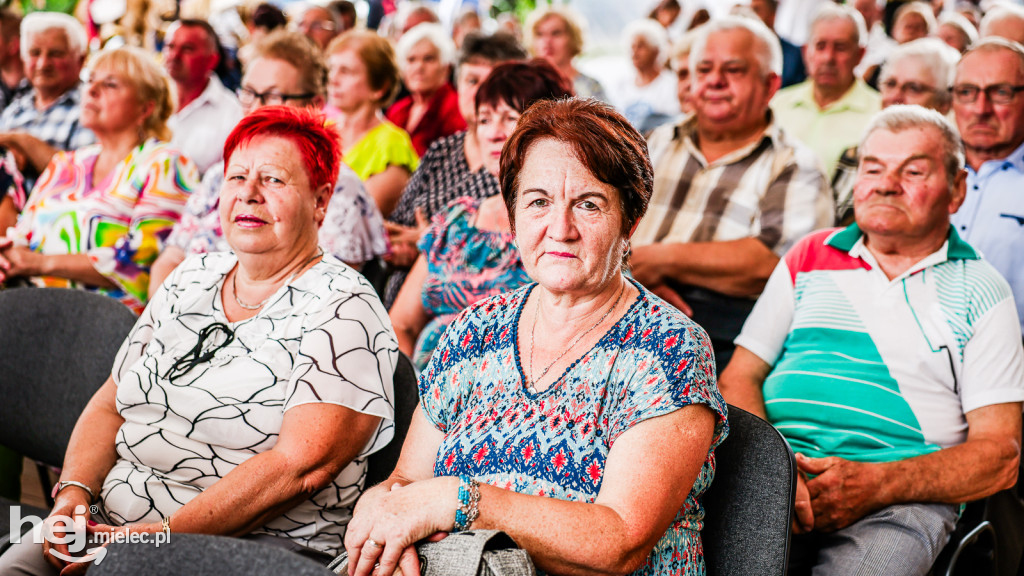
(828, 111)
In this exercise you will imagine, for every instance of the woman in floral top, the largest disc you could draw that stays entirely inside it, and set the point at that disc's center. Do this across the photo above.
(578, 414)
(98, 215)
(467, 254)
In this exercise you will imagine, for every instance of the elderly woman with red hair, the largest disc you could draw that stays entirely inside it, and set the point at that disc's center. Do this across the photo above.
(247, 397)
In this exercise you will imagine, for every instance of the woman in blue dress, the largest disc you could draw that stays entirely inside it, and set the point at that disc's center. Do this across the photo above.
(467, 254)
(579, 413)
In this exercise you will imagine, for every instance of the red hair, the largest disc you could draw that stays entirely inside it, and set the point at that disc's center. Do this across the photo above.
(319, 145)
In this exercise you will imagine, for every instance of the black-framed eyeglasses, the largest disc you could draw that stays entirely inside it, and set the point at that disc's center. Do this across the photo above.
(247, 96)
(996, 93)
(196, 356)
(913, 88)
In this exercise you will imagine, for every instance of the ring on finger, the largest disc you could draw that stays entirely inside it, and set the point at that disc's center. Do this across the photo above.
(373, 543)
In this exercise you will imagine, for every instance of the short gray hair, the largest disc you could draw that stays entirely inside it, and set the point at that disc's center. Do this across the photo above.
(996, 43)
(934, 55)
(769, 53)
(684, 45)
(433, 33)
(997, 14)
(900, 117)
(962, 24)
(921, 9)
(39, 22)
(652, 33)
(830, 11)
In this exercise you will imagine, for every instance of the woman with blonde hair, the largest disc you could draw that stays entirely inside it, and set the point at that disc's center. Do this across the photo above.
(555, 33)
(363, 78)
(97, 216)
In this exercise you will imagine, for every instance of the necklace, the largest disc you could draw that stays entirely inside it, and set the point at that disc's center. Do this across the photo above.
(533, 333)
(234, 284)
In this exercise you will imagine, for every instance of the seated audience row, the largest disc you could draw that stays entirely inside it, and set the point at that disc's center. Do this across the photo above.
(469, 253)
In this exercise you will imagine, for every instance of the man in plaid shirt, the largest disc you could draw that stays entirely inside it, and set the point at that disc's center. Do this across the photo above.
(46, 119)
(731, 192)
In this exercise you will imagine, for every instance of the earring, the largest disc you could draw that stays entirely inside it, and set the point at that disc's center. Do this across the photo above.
(627, 249)
(515, 243)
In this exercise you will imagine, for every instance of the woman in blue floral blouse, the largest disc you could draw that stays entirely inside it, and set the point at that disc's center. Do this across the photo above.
(467, 253)
(579, 414)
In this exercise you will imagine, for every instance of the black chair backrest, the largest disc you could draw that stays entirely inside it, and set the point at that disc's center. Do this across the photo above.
(204, 555)
(57, 347)
(750, 502)
(381, 463)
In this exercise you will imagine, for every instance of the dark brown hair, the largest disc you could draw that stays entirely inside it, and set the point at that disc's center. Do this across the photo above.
(520, 84)
(602, 140)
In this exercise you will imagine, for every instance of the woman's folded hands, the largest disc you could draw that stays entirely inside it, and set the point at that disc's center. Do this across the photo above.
(389, 520)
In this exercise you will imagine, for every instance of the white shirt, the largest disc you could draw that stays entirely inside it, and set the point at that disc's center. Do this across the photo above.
(323, 338)
(646, 107)
(201, 128)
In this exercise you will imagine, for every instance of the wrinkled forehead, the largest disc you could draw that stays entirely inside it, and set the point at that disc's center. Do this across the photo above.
(315, 14)
(993, 64)
(894, 147)
(909, 69)
(53, 38)
(834, 30)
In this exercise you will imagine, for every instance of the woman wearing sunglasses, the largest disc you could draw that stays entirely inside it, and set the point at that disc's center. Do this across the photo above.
(247, 397)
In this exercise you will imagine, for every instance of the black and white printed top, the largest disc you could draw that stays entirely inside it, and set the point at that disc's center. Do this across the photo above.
(443, 176)
(324, 338)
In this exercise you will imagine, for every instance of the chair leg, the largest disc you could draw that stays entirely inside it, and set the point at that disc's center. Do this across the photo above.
(44, 481)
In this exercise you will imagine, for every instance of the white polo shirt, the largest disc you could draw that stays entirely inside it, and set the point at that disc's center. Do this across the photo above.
(875, 370)
(201, 128)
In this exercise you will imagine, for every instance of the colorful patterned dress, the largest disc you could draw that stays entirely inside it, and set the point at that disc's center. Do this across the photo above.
(120, 223)
(464, 265)
(555, 443)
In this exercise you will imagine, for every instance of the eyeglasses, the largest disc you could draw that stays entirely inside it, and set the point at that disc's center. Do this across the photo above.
(996, 93)
(196, 356)
(315, 26)
(912, 88)
(246, 96)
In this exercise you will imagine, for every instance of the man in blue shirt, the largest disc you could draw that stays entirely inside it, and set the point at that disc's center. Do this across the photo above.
(989, 111)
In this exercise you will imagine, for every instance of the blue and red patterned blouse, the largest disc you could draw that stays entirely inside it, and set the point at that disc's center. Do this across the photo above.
(465, 264)
(555, 443)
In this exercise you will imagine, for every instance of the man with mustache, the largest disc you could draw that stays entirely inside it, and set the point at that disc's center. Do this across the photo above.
(888, 355)
(731, 192)
(989, 112)
(829, 110)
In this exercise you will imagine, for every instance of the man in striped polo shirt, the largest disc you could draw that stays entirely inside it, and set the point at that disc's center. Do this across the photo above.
(889, 355)
(732, 192)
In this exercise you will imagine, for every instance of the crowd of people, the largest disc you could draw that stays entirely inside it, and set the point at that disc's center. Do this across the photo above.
(808, 216)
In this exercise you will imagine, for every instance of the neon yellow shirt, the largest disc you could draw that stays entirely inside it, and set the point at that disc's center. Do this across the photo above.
(385, 145)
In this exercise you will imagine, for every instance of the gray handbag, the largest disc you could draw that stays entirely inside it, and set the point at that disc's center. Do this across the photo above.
(469, 553)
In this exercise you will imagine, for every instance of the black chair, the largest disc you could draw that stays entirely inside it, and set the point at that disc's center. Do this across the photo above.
(56, 349)
(204, 555)
(989, 538)
(750, 502)
(381, 463)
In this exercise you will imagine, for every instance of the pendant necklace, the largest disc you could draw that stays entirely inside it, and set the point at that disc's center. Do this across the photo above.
(533, 334)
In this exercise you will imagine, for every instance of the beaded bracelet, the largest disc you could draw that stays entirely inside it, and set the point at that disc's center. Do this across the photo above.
(469, 500)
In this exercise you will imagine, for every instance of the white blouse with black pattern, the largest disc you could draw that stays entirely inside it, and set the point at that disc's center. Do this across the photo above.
(324, 338)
